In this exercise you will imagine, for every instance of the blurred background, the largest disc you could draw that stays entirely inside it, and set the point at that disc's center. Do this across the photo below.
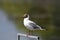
(44, 12)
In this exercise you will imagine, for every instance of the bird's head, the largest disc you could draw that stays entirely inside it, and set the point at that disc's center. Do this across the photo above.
(25, 15)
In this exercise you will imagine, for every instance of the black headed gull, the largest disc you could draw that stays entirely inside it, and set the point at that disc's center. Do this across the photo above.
(30, 24)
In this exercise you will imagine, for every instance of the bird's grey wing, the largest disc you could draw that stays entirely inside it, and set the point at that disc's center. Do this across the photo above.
(34, 25)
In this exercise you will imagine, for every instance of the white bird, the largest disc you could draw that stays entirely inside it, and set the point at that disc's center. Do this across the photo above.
(30, 24)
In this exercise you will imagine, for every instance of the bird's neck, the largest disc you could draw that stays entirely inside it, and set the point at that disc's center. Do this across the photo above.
(26, 18)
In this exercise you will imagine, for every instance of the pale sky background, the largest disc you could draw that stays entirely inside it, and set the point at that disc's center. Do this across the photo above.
(7, 28)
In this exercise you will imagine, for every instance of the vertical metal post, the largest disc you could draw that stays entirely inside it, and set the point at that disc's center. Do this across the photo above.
(18, 37)
(38, 38)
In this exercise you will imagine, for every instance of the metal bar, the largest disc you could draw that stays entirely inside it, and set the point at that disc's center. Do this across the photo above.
(30, 36)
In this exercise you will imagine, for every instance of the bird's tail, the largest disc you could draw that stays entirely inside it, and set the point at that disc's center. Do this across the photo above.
(40, 28)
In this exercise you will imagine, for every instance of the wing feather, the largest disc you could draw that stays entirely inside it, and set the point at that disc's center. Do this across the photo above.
(34, 25)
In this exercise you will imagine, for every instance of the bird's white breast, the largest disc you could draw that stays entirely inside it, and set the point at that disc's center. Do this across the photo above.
(27, 25)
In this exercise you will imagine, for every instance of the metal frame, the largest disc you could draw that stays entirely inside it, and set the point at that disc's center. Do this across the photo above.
(30, 36)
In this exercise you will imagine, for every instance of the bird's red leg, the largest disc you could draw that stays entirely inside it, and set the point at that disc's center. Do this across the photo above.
(30, 32)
